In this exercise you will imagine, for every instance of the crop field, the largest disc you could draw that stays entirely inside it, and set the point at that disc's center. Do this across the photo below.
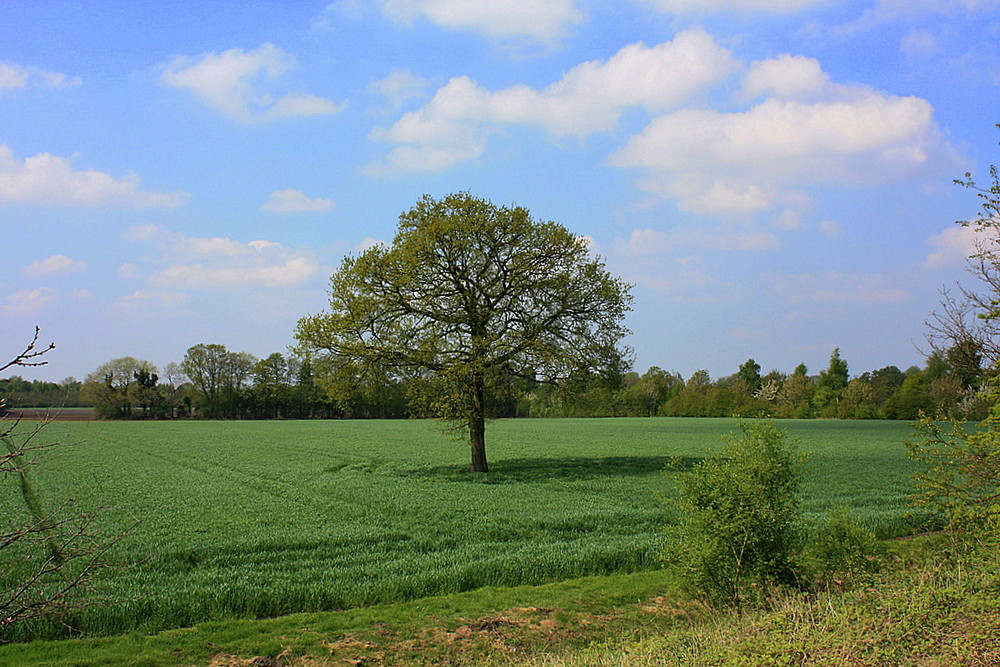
(257, 519)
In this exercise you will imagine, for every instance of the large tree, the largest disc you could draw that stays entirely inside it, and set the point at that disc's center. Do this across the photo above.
(468, 296)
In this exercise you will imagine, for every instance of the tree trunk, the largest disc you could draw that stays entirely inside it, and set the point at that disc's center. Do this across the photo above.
(477, 426)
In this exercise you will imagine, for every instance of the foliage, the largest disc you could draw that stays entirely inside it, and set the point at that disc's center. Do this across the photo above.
(845, 553)
(961, 480)
(352, 512)
(220, 377)
(468, 295)
(740, 520)
(124, 388)
(40, 394)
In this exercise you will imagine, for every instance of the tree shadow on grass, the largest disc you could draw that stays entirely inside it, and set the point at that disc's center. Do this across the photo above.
(560, 469)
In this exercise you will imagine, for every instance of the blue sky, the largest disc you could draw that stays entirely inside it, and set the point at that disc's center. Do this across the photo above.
(773, 176)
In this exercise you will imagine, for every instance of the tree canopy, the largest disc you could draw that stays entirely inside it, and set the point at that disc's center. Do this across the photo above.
(467, 296)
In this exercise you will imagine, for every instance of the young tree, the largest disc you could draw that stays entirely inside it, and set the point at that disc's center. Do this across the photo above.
(468, 295)
(739, 515)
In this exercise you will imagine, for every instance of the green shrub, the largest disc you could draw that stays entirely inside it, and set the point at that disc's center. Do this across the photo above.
(740, 523)
(843, 552)
(961, 481)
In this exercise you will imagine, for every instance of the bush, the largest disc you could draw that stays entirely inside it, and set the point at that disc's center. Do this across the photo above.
(843, 552)
(740, 523)
(961, 482)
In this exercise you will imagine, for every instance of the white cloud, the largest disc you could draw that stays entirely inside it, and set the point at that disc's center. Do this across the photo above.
(165, 299)
(353, 10)
(888, 11)
(835, 287)
(366, 243)
(717, 6)
(129, 271)
(808, 131)
(54, 265)
(28, 302)
(830, 228)
(293, 201)
(952, 247)
(919, 42)
(198, 276)
(235, 83)
(400, 86)
(455, 125)
(540, 20)
(50, 180)
(653, 242)
(213, 262)
(788, 77)
(14, 76)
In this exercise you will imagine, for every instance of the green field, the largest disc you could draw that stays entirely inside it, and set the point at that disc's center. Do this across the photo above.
(257, 519)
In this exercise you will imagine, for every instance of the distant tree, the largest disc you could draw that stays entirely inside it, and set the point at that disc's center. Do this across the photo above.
(272, 385)
(835, 377)
(885, 382)
(220, 376)
(467, 295)
(830, 385)
(795, 397)
(115, 387)
(173, 385)
(651, 390)
(750, 374)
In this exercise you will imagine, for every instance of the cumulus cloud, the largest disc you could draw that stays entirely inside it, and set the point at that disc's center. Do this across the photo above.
(806, 131)
(539, 20)
(56, 264)
(14, 76)
(455, 125)
(400, 86)
(717, 6)
(952, 247)
(27, 302)
(50, 180)
(214, 262)
(235, 82)
(293, 201)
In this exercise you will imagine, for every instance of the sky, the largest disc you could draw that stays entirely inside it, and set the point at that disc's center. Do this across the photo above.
(774, 177)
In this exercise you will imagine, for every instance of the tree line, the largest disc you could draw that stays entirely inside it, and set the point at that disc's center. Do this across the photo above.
(213, 382)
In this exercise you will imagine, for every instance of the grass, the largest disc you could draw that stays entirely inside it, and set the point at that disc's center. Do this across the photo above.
(259, 519)
(929, 610)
